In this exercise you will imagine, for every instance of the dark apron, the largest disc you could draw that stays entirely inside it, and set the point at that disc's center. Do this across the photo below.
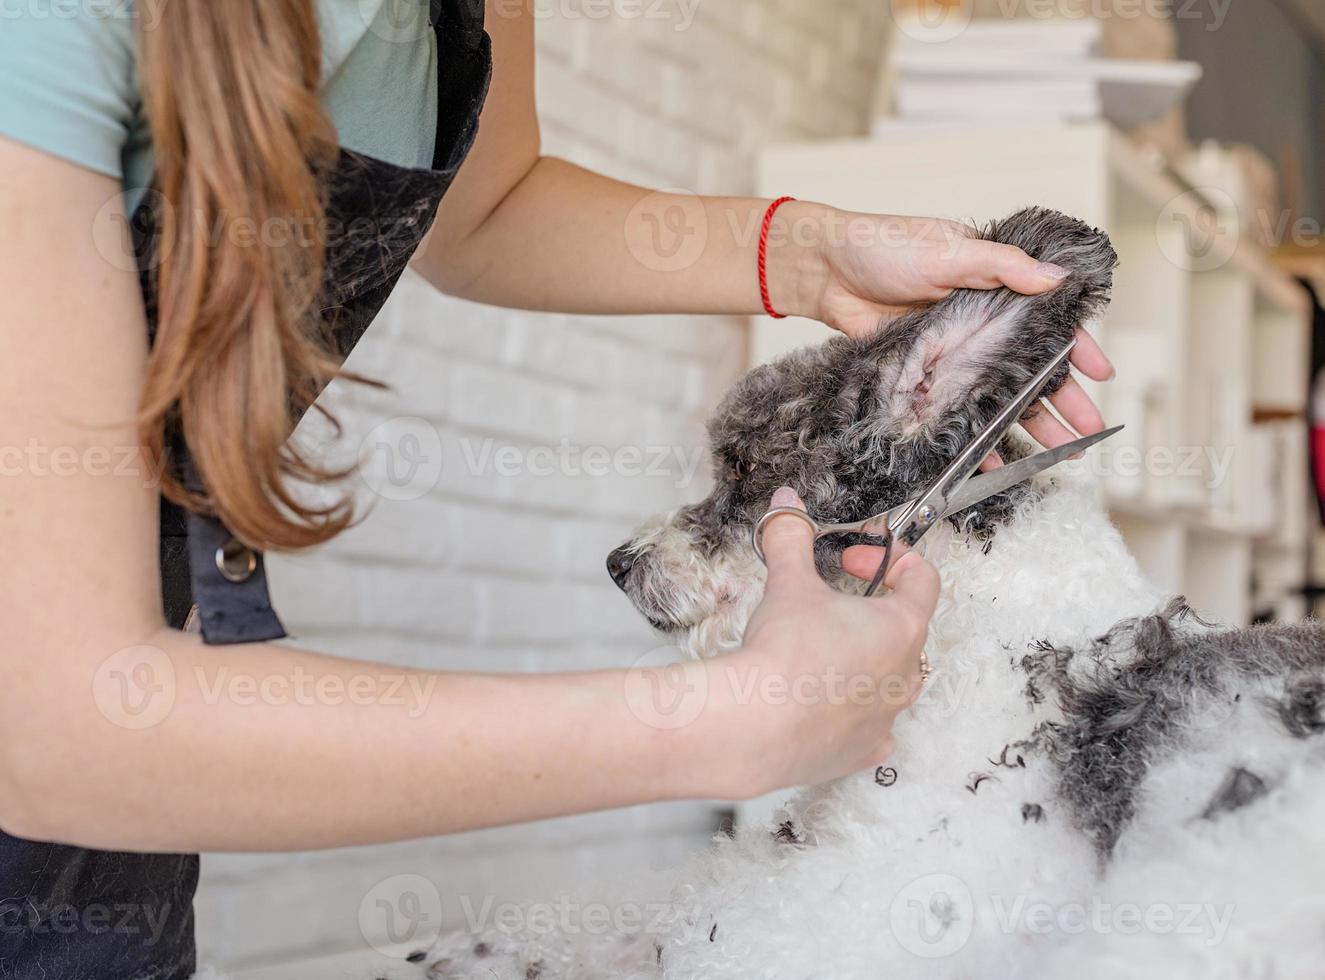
(67, 913)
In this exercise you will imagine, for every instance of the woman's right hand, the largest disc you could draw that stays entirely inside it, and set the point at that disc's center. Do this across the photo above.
(822, 674)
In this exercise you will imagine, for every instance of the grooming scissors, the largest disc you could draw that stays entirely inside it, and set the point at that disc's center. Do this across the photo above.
(955, 489)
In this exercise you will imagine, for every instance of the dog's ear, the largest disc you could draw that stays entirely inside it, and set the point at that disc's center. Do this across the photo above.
(975, 348)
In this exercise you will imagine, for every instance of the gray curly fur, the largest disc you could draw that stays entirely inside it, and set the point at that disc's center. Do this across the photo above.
(1129, 698)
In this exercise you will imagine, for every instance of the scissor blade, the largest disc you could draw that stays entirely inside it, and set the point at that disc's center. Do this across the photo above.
(924, 511)
(981, 487)
(981, 446)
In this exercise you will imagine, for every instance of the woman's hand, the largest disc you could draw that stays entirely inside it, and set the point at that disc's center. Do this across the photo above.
(813, 693)
(852, 271)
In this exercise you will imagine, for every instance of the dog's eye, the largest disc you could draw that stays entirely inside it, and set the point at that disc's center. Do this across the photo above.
(739, 471)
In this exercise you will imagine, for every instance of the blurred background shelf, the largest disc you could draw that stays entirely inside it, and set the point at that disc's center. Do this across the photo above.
(1209, 481)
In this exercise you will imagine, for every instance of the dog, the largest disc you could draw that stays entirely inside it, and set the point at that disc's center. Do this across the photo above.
(1095, 781)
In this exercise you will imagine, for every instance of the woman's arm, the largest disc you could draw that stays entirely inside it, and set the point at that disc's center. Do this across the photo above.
(326, 751)
(522, 230)
(117, 732)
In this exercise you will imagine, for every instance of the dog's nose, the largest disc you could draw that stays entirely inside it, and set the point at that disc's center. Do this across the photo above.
(619, 564)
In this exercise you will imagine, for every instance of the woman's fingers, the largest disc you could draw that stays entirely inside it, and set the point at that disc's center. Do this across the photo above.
(862, 560)
(1045, 429)
(788, 543)
(909, 576)
(1077, 409)
(981, 264)
(1089, 359)
(914, 583)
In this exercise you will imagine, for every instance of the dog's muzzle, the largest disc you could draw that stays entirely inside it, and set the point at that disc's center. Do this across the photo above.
(619, 564)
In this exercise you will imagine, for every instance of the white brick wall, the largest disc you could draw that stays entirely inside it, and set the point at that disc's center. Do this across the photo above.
(497, 571)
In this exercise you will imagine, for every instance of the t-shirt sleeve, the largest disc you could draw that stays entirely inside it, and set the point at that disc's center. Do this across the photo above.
(69, 79)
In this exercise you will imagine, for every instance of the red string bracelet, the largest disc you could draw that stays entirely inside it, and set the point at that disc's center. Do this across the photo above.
(763, 257)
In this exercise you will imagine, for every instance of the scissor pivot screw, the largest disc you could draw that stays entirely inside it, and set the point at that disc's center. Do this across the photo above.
(927, 515)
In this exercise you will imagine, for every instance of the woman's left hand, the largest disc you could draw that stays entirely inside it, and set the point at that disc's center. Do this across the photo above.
(853, 271)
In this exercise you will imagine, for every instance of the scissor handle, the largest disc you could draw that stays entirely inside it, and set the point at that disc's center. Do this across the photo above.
(758, 534)
(820, 531)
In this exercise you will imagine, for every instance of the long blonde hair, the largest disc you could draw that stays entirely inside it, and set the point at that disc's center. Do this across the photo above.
(239, 134)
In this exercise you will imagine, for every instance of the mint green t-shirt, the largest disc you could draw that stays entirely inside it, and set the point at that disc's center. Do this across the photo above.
(69, 81)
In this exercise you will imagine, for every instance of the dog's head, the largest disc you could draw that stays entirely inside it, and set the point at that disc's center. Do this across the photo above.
(856, 427)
